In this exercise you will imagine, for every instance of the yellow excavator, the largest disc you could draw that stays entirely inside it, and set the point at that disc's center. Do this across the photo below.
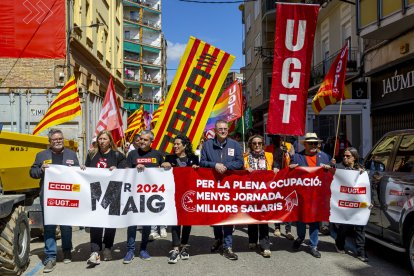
(20, 210)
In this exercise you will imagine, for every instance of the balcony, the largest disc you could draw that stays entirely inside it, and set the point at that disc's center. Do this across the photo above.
(319, 71)
(153, 5)
(152, 24)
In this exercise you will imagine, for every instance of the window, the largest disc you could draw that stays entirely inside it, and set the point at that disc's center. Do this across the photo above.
(256, 9)
(248, 24)
(258, 40)
(249, 56)
(258, 82)
(380, 156)
(404, 160)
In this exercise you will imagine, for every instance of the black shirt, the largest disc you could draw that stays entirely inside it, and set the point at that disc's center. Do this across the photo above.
(106, 160)
(150, 159)
(175, 161)
(57, 158)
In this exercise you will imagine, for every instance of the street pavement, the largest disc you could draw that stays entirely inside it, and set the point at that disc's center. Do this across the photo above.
(284, 261)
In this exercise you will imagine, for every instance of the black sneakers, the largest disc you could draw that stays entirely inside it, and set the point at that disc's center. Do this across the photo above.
(217, 246)
(296, 244)
(314, 252)
(174, 256)
(184, 252)
(229, 254)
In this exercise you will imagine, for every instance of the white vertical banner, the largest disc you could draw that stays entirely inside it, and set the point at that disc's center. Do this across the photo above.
(100, 197)
(350, 197)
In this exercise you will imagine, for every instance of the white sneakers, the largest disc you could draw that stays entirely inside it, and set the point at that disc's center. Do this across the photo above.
(94, 259)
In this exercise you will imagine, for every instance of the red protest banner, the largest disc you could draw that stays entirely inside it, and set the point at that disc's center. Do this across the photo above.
(208, 198)
(295, 30)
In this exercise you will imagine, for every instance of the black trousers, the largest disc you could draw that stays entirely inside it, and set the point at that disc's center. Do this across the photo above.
(180, 237)
(356, 231)
(261, 232)
(96, 235)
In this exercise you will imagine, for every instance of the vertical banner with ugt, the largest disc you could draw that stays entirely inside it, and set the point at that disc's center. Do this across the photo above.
(295, 31)
(194, 90)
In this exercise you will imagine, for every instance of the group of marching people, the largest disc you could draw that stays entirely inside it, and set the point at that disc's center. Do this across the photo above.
(221, 154)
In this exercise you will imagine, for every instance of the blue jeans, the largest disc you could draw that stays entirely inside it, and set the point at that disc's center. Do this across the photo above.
(50, 240)
(225, 232)
(313, 232)
(50, 237)
(132, 235)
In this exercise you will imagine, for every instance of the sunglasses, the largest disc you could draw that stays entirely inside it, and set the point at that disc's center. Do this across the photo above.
(312, 143)
(257, 143)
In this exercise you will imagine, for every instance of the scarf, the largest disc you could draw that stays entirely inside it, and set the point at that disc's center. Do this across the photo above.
(257, 161)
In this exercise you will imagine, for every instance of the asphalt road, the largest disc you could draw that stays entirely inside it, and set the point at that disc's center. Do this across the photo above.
(284, 261)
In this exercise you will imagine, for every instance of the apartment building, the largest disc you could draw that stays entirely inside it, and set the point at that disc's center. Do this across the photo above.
(336, 26)
(94, 51)
(144, 54)
(387, 28)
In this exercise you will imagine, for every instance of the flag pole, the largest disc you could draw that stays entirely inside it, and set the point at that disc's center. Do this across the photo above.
(243, 139)
(337, 128)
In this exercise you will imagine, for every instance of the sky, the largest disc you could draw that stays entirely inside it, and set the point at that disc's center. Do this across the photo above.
(217, 24)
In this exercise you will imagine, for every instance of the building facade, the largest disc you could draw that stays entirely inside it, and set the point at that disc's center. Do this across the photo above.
(94, 53)
(259, 19)
(144, 54)
(387, 28)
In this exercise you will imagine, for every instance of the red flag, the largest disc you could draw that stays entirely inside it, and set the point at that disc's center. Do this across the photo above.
(295, 31)
(32, 29)
(228, 107)
(333, 85)
(110, 117)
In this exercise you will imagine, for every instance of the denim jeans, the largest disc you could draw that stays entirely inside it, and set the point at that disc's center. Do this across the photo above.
(313, 232)
(225, 232)
(132, 235)
(50, 237)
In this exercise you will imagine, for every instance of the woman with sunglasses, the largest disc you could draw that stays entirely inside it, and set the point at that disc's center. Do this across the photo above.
(350, 162)
(183, 157)
(258, 159)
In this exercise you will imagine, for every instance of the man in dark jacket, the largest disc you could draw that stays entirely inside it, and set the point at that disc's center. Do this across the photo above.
(56, 154)
(222, 154)
(310, 157)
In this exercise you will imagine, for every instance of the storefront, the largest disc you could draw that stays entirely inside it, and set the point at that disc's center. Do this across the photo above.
(392, 99)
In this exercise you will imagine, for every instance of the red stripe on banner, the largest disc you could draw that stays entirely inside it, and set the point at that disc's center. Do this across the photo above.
(176, 94)
(57, 107)
(209, 92)
(318, 106)
(59, 116)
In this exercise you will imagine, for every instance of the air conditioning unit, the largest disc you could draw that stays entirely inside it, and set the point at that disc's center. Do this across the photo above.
(61, 75)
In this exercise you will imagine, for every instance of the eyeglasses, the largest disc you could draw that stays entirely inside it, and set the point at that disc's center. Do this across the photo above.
(223, 129)
(257, 143)
(312, 143)
(347, 156)
(56, 139)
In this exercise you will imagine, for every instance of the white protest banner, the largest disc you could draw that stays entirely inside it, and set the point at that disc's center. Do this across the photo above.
(350, 197)
(118, 198)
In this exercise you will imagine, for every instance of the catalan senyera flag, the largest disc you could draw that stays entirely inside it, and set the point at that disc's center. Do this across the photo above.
(132, 116)
(136, 121)
(332, 88)
(194, 90)
(64, 108)
(156, 114)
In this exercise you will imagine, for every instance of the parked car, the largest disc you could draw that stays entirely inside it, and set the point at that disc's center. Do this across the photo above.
(390, 166)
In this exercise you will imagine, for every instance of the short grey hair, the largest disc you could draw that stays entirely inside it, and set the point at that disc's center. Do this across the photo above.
(53, 131)
(221, 122)
(146, 132)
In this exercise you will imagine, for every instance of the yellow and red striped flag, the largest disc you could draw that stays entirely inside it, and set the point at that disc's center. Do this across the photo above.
(64, 108)
(137, 121)
(132, 116)
(193, 92)
(156, 114)
(332, 88)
